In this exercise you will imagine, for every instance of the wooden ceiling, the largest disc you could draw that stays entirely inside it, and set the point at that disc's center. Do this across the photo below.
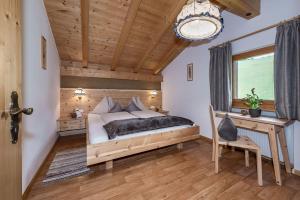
(123, 35)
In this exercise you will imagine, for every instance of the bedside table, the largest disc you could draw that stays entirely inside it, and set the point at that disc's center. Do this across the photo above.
(71, 126)
(164, 112)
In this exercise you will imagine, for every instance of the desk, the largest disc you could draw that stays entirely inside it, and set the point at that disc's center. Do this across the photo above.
(270, 126)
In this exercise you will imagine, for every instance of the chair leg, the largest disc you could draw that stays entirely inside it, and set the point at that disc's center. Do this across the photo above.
(259, 167)
(220, 151)
(216, 158)
(233, 149)
(213, 151)
(247, 157)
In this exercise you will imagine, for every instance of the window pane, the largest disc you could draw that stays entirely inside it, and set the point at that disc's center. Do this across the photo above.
(256, 72)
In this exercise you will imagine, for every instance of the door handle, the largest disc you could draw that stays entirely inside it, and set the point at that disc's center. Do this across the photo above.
(16, 115)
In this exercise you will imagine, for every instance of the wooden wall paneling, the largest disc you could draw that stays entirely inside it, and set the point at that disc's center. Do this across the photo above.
(165, 26)
(69, 63)
(84, 5)
(107, 83)
(132, 12)
(64, 17)
(243, 8)
(83, 72)
(93, 96)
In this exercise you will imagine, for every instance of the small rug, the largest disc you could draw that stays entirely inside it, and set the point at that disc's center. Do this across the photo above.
(67, 164)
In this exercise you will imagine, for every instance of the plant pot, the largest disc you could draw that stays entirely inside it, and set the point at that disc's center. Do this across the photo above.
(255, 112)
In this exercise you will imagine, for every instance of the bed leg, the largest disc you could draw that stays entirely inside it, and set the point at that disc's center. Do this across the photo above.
(179, 146)
(109, 165)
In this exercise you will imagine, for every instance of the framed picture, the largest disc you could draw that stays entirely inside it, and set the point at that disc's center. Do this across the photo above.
(189, 68)
(44, 52)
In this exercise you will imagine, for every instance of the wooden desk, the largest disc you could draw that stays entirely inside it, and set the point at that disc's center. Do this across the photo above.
(271, 126)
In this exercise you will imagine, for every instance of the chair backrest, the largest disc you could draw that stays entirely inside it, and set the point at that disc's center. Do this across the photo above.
(213, 124)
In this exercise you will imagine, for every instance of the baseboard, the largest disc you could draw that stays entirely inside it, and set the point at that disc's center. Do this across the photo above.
(28, 189)
(296, 172)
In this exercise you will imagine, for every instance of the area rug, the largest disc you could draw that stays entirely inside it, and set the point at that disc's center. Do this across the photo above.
(67, 164)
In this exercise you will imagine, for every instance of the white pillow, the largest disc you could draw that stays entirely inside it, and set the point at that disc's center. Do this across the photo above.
(139, 103)
(104, 106)
(111, 103)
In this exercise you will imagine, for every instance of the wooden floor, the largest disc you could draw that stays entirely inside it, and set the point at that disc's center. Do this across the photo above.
(168, 174)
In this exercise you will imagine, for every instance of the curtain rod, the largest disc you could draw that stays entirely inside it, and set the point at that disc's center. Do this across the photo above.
(258, 31)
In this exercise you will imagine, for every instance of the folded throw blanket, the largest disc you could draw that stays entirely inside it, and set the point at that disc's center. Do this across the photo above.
(128, 126)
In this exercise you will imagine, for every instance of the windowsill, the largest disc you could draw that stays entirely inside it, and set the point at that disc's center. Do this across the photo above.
(263, 114)
(267, 106)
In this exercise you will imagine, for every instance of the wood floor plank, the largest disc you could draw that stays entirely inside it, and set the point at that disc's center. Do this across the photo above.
(167, 174)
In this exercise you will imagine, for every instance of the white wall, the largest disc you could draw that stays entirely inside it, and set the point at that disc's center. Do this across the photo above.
(191, 99)
(40, 89)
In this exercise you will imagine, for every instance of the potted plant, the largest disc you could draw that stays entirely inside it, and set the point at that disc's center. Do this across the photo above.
(253, 102)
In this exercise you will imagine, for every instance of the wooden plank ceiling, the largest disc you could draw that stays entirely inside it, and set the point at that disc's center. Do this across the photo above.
(123, 35)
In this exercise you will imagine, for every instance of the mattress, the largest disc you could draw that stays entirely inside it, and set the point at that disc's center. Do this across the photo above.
(97, 134)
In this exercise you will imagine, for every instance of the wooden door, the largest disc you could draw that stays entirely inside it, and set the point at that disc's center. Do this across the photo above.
(10, 80)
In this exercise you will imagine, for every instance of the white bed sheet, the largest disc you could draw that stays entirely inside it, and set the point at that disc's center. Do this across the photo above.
(146, 114)
(97, 134)
(108, 117)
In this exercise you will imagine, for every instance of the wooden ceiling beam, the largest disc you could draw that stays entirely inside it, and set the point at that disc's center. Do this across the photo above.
(166, 26)
(108, 74)
(131, 14)
(84, 7)
(244, 8)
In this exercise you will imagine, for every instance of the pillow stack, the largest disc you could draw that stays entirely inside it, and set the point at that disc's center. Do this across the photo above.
(104, 106)
(107, 105)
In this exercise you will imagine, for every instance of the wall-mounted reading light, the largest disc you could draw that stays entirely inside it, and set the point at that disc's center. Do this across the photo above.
(153, 94)
(79, 92)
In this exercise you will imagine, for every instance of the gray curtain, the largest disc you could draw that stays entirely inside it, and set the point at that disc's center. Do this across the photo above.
(220, 77)
(287, 70)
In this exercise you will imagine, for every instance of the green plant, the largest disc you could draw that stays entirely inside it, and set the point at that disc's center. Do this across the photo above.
(252, 100)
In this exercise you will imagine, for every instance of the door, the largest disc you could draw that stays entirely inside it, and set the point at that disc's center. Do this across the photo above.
(10, 80)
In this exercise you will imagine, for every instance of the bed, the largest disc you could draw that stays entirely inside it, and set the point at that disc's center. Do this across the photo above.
(102, 149)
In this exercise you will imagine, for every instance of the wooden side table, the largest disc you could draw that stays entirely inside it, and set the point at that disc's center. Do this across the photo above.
(272, 127)
(71, 126)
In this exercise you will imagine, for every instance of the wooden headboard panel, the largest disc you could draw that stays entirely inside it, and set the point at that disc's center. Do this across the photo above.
(68, 101)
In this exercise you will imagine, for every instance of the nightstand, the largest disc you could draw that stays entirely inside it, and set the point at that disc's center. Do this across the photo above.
(164, 112)
(71, 126)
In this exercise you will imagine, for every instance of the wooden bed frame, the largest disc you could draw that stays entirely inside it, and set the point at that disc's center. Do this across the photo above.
(113, 149)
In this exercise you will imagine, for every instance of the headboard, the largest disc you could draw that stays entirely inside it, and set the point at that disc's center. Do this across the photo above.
(68, 101)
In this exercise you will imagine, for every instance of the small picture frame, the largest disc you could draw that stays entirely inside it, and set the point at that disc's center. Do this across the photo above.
(43, 52)
(189, 68)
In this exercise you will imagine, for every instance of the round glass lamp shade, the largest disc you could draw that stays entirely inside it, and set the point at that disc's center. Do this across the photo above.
(199, 21)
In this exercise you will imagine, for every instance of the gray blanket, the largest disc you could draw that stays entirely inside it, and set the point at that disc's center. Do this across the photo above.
(129, 126)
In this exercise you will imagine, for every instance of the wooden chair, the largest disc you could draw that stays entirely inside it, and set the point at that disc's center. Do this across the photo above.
(242, 142)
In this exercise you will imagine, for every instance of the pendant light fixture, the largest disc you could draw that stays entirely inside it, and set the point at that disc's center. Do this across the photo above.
(199, 20)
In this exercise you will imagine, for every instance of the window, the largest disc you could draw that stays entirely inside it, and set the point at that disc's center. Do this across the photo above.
(254, 69)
